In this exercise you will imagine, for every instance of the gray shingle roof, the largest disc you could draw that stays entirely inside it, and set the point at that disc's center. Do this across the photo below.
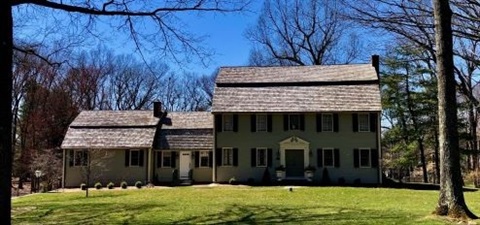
(297, 89)
(187, 131)
(276, 74)
(189, 120)
(111, 130)
(186, 139)
(297, 99)
(115, 118)
(108, 138)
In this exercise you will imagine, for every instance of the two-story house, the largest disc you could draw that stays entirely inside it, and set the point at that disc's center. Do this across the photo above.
(264, 118)
(296, 117)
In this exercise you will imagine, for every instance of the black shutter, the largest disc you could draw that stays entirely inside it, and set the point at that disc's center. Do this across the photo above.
(336, 153)
(141, 156)
(355, 122)
(373, 122)
(173, 159)
(218, 123)
(269, 157)
(235, 156)
(253, 157)
(218, 156)
(127, 158)
(159, 159)
(210, 158)
(335, 122)
(356, 158)
(319, 122)
(374, 156)
(269, 123)
(197, 158)
(302, 122)
(319, 158)
(70, 158)
(253, 123)
(235, 122)
(285, 122)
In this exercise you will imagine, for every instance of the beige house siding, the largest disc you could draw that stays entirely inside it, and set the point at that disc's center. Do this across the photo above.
(345, 140)
(108, 165)
(200, 174)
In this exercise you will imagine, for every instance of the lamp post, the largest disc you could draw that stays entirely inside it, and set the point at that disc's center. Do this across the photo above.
(38, 174)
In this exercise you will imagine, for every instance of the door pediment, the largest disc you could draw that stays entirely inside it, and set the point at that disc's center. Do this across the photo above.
(294, 141)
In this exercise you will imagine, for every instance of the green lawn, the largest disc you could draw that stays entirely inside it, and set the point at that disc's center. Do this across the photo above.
(242, 205)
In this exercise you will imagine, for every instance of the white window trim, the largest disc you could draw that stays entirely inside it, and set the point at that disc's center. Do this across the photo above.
(75, 156)
(257, 158)
(200, 159)
(290, 122)
(369, 157)
(163, 155)
(333, 157)
(223, 156)
(368, 122)
(266, 123)
(332, 124)
(130, 158)
(223, 122)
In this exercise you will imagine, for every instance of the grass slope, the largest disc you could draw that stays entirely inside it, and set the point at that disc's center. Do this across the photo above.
(238, 205)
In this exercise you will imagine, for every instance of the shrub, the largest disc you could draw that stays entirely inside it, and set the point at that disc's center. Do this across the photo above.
(124, 185)
(138, 184)
(232, 181)
(83, 186)
(110, 185)
(98, 185)
(266, 178)
(341, 181)
(325, 177)
(357, 182)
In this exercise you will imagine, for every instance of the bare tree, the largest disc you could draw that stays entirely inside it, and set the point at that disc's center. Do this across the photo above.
(451, 201)
(302, 33)
(168, 38)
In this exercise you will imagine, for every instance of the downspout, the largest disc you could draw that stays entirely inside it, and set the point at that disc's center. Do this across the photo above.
(64, 168)
(214, 153)
(149, 165)
(379, 147)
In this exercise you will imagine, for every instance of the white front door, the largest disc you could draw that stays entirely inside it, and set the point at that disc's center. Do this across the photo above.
(185, 164)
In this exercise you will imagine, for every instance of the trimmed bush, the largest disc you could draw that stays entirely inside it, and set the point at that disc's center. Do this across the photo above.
(98, 186)
(83, 186)
(325, 177)
(110, 185)
(138, 184)
(341, 181)
(232, 181)
(124, 185)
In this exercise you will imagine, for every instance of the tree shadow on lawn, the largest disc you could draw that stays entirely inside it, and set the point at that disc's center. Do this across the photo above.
(260, 214)
(84, 213)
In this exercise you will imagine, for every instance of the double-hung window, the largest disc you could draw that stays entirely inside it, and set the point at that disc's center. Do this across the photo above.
(167, 159)
(227, 156)
(363, 122)
(261, 122)
(80, 158)
(328, 157)
(228, 122)
(135, 158)
(364, 157)
(294, 122)
(327, 122)
(204, 159)
(261, 157)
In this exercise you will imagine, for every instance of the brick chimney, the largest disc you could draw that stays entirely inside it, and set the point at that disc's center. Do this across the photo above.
(376, 63)
(157, 109)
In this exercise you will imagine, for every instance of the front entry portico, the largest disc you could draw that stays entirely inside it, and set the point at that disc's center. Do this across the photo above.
(294, 155)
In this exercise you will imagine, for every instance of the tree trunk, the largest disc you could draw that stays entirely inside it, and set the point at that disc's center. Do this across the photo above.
(451, 200)
(437, 157)
(6, 52)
